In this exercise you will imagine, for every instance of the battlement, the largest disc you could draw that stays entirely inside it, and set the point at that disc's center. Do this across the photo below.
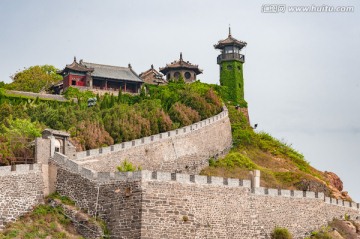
(145, 175)
(19, 169)
(154, 138)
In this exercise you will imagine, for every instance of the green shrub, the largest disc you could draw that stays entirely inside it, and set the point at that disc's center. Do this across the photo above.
(212, 162)
(128, 167)
(280, 233)
(63, 199)
(234, 159)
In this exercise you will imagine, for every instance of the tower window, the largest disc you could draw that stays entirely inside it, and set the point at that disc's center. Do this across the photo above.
(73, 82)
(187, 75)
(168, 76)
(177, 74)
(229, 67)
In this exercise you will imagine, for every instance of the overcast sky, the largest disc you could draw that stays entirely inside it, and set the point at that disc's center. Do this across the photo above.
(302, 70)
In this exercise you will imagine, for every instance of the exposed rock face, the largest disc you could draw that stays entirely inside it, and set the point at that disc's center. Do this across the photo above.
(334, 180)
(315, 186)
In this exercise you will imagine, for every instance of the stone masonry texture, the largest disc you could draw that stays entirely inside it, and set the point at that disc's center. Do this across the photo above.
(164, 206)
(21, 190)
(180, 210)
(117, 203)
(188, 152)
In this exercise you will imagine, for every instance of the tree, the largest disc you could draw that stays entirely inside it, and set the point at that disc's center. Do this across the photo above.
(91, 135)
(34, 79)
(15, 138)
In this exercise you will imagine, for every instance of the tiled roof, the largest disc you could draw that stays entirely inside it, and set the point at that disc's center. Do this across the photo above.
(180, 64)
(230, 41)
(76, 67)
(112, 72)
(151, 71)
(152, 76)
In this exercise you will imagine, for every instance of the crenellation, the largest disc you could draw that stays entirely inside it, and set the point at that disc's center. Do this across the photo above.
(106, 150)
(310, 194)
(163, 176)
(285, 193)
(273, 192)
(182, 178)
(320, 195)
(246, 183)
(217, 181)
(200, 179)
(258, 191)
(298, 194)
(233, 182)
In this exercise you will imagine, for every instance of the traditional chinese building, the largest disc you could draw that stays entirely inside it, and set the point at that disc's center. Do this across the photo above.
(152, 76)
(100, 78)
(182, 68)
(231, 67)
(231, 63)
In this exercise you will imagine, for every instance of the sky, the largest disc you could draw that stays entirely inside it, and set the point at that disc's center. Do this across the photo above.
(302, 69)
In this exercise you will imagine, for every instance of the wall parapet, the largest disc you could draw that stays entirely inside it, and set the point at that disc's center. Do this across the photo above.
(19, 169)
(145, 175)
(153, 138)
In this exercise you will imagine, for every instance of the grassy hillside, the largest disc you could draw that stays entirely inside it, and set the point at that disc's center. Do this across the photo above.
(122, 117)
(281, 166)
(46, 221)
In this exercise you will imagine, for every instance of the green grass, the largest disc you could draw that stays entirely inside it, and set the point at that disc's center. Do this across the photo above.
(45, 221)
(280, 164)
(280, 233)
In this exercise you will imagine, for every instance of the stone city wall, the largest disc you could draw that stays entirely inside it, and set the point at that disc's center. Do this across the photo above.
(147, 204)
(114, 197)
(21, 190)
(187, 149)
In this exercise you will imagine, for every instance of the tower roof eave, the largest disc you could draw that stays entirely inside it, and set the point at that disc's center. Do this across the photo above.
(166, 69)
(230, 41)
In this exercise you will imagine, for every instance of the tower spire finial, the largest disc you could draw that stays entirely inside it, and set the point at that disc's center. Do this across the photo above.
(229, 30)
(74, 58)
(181, 56)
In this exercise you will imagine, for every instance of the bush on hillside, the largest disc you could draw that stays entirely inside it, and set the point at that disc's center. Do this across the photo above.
(280, 233)
(234, 159)
(183, 114)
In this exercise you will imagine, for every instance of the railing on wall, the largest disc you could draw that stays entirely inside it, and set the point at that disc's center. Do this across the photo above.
(153, 138)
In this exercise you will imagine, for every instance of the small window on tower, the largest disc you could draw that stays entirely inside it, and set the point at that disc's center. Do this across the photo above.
(229, 67)
(177, 75)
(187, 75)
(73, 82)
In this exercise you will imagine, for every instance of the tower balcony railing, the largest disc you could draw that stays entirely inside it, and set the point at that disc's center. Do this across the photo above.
(230, 56)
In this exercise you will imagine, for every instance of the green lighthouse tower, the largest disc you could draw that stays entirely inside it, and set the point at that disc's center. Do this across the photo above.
(231, 68)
